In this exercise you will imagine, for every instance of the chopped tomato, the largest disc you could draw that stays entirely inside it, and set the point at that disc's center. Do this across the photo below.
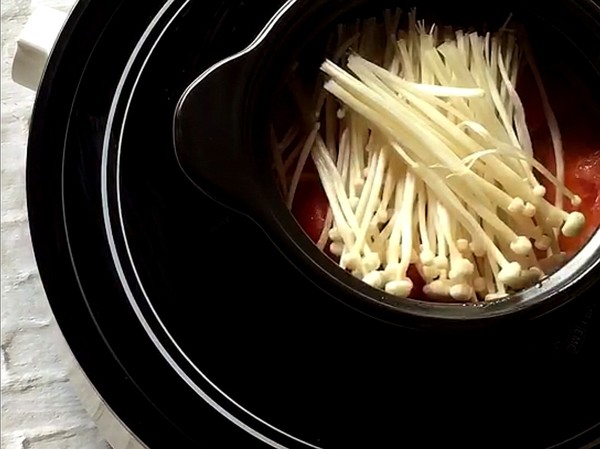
(310, 206)
(578, 122)
(418, 284)
(582, 176)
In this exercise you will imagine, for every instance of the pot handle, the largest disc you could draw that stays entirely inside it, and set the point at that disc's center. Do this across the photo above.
(208, 135)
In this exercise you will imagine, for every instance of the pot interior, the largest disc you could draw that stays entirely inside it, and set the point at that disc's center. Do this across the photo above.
(561, 35)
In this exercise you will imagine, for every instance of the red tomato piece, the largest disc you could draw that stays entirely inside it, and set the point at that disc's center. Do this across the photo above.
(581, 145)
(310, 207)
(418, 284)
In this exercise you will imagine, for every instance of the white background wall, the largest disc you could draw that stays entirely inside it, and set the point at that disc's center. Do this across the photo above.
(39, 407)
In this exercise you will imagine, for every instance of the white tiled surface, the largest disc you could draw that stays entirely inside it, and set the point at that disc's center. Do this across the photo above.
(39, 407)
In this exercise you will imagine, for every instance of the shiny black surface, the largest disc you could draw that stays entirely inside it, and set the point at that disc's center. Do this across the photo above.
(228, 309)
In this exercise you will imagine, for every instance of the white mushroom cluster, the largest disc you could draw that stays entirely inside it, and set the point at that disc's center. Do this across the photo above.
(421, 144)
